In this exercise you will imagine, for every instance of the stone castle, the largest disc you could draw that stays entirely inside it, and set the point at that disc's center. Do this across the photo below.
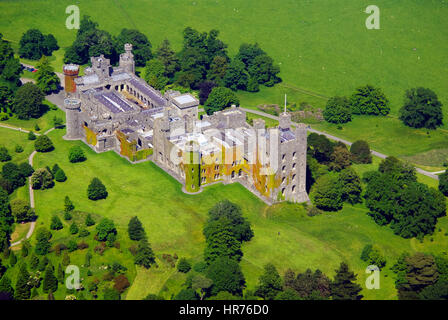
(110, 108)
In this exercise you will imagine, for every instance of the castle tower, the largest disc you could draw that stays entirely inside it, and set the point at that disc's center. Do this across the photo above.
(101, 67)
(127, 59)
(72, 113)
(71, 72)
(284, 121)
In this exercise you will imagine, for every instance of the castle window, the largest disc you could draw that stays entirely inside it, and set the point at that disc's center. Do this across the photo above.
(293, 176)
(217, 167)
(283, 168)
(294, 165)
(283, 180)
(204, 179)
(233, 174)
(240, 173)
(294, 155)
(293, 188)
(283, 191)
(284, 157)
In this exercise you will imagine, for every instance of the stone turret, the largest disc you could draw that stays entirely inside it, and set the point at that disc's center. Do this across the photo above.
(284, 121)
(71, 72)
(127, 59)
(101, 67)
(72, 114)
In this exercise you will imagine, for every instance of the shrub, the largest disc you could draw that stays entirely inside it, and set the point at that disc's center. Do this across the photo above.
(96, 190)
(121, 283)
(21, 210)
(60, 176)
(4, 154)
(43, 144)
(42, 179)
(18, 149)
(74, 228)
(183, 266)
(26, 169)
(369, 100)
(56, 223)
(72, 246)
(360, 151)
(76, 155)
(337, 110)
(89, 220)
(82, 245)
(83, 233)
(421, 109)
(31, 135)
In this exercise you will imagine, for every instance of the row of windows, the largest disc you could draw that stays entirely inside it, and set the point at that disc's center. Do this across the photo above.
(293, 156)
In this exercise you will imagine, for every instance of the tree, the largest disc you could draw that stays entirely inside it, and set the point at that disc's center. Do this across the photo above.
(31, 135)
(47, 79)
(96, 190)
(288, 294)
(28, 101)
(369, 100)
(226, 276)
(23, 289)
(4, 154)
(421, 272)
(219, 99)
(236, 76)
(337, 110)
(360, 151)
(421, 109)
(201, 284)
(60, 176)
(43, 244)
(43, 144)
(74, 228)
(12, 259)
(443, 183)
(155, 74)
(34, 262)
(42, 179)
(111, 294)
(121, 283)
(11, 172)
(168, 58)
(437, 291)
(89, 220)
(34, 45)
(269, 283)
(6, 98)
(218, 69)
(135, 229)
(320, 147)
(6, 289)
(340, 158)
(351, 187)
(68, 204)
(205, 88)
(21, 210)
(104, 228)
(26, 169)
(248, 52)
(221, 241)
(183, 265)
(186, 294)
(263, 69)
(144, 256)
(50, 282)
(76, 155)
(232, 212)
(141, 46)
(327, 193)
(372, 255)
(343, 286)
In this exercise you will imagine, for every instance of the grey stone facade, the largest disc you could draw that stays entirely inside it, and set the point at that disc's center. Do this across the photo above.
(112, 109)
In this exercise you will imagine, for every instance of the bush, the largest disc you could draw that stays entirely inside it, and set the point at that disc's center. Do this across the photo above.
(21, 210)
(74, 228)
(183, 266)
(360, 151)
(369, 100)
(421, 109)
(121, 283)
(56, 223)
(443, 183)
(31, 135)
(327, 194)
(42, 179)
(72, 246)
(4, 154)
(76, 155)
(43, 144)
(26, 169)
(89, 220)
(219, 99)
(337, 110)
(96, 190)
(18, 149)
(60, 176)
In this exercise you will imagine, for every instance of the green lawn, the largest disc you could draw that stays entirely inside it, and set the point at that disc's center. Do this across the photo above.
(174, 220)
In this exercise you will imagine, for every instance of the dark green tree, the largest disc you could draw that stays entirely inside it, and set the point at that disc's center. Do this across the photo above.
(22, 288)
(236, 76)
(33, 45)
(28, 101)
(344, 286)
(183, 265)
(226, 276)
(421, 109)
(6, 289)
(96, 190)
(360, 151)
(144, 256)
(443, 183)
(60, 176)
(104, 228)
(89, 220)
(219, 99)
(43, 144)
(338, 110)
(56, 223)
(169, 58)
(68, 204)
(4, 154)
(141, 46)
(43, 244)
(46, 78)
(269, 283)
(50, 282)
(221, 241)
(155, 74)
(74, 228)
(351, 187)
(369, 100)
(135, 229)
(327, 194)
(76, 154)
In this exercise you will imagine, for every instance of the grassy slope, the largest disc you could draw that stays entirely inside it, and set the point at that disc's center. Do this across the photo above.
(174, 222)
(323, 47)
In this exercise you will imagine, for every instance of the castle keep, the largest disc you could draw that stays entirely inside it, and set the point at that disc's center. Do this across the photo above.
(110, 108)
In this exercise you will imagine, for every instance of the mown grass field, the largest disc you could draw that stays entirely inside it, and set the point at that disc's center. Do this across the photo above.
(174, 221)
(322, 47)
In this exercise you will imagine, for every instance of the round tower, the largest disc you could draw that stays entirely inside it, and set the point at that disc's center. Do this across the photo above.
(72, 112)
(127, 59)
(71, 72)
